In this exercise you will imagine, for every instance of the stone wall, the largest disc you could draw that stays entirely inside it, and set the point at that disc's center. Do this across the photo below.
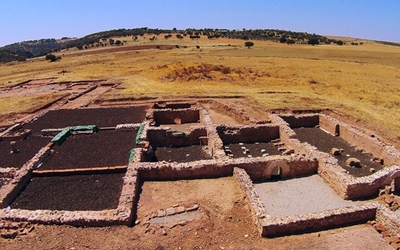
(248, 134)
(388, 219)
(258, 168)
(256, 206)
(309, 120)
(167, 116)
(163, 137)
(363, 139)
(318, 221)
(23, 175)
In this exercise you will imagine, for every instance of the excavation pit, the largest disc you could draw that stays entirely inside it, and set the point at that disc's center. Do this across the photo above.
(176, 116)
(24, 151)
(74, 192)
(102, 149)
(324, 142)
(249, 150)
(102, 117)
(177, 154)
(202, 196)
(251, 141)
(299, 196)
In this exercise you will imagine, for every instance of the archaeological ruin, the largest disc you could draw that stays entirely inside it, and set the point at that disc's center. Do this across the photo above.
(88, 166)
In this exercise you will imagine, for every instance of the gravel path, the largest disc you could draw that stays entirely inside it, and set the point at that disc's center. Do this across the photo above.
(299, 196)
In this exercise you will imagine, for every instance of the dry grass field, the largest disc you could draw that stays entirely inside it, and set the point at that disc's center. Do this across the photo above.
(361, 82)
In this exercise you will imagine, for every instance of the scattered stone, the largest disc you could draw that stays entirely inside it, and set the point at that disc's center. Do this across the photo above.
(170, 211)
(246, 236)
(164, 232)
(353, 162)
(288, 152)
(161, 213)
(180, 209)
(335, 151)
(379, 227)
(137, 222)
(183, 223)
(372, 170)
(193, 208)
(9, 234)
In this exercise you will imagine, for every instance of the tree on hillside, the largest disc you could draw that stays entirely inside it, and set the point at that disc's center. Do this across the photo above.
(52, 58)
(283, 39)
(118, 43)
(249, 44)
(313, 41)
(111, 41)
(291, 41)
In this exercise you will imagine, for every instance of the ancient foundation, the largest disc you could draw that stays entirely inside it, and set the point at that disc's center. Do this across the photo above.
(251, 164)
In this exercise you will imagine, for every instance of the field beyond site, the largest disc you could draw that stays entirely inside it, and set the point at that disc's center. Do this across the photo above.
(361, 82)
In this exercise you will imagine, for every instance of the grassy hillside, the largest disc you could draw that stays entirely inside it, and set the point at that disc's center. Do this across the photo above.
(361, 81)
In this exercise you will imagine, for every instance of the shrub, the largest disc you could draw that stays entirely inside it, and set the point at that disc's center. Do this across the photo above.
(249, 44)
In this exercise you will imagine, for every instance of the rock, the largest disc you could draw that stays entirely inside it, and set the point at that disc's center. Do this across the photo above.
(164, 232)
(137, 222)
(161, 213)
(180, 209)
(389, 200)
(170, 211)
(335, 151)
(288, 152)
(195, 207)
(353, 162)
(9, 234)
(379, 227)
(372, 170)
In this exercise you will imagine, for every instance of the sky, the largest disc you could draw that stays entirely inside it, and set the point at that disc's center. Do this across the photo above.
(22, 20)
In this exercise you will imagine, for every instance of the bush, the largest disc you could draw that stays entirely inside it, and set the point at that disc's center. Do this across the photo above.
(249, 44)
(52, 58)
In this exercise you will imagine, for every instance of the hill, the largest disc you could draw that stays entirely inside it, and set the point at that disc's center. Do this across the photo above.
(35, 48)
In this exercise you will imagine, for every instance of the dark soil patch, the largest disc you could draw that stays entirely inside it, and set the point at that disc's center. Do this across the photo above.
(127, 48)
(181, 154)
(102, 117)
(28, 148)
(75, 192)
(325, 142)
(102, 149)
(239, 150)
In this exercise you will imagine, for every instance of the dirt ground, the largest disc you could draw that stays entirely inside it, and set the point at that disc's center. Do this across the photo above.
(325, 142)
(102, 117)
(74, 193)
(102, 149)
(223, 224)
(182, 154)
(26, 150)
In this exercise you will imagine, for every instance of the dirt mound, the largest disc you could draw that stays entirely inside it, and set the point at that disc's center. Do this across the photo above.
(208, 72)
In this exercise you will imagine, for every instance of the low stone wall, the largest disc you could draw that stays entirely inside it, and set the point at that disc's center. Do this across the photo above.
(308, 120)
(163, 137)
(7, 175)
(9, 191)
(258, 168)
(388, 219)
(362, 139)
(124, 214)
(364, 187)
(167, 116)
(215, 143)
(288, 225)
(76, 218)
(248, 134)
(256, 206)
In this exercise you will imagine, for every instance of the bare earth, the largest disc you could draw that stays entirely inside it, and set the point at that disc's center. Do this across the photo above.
(224, 223)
